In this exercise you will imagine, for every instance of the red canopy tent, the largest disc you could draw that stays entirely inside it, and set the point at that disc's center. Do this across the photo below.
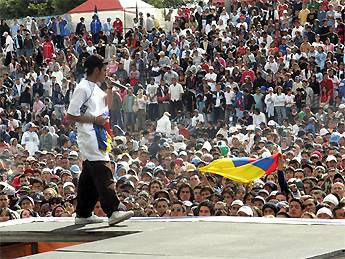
(126, 10)
(102, 5)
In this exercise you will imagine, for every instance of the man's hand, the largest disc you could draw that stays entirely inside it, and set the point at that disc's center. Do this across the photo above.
(100, 120)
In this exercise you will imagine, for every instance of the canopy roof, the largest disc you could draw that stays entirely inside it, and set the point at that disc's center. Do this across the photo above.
(109, 5)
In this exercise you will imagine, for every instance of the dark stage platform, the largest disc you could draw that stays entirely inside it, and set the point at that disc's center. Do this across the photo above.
(186, 238)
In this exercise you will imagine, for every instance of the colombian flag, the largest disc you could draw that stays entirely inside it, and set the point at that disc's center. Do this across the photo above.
(242, 169)
(104, 136)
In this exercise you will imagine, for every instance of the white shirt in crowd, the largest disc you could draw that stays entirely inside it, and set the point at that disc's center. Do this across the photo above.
(229, 96)
(197, 119)
(31, 142)
(149, 24)
(289, 100)
(96, 105)
(213, 78)
(175, 92)
(279, 99)
(164, 125)
(259, 118)
(273, 66)
(9, 43)
(90, 49)
(151, 92)
(59, 76)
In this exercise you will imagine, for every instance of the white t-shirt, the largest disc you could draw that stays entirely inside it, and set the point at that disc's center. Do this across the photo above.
(175, 92)
(212, 77)
(9, 44)
(96, 106)
(151, 92)
(59, 76)
(197, 119)
(90, 49)
(164, 125)
(289, 100)
(279, 100)
(31, 142)
(229, 96)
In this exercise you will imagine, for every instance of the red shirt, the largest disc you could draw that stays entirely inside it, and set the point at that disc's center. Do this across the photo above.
(327, 84)
(48, 50)
(184, 132)
(241, 51)
(117, 25)
(249, 73)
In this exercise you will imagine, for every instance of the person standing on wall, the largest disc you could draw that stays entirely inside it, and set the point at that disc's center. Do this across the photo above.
(89, 108)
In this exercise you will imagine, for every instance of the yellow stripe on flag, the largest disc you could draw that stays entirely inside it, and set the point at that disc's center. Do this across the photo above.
(225, 167)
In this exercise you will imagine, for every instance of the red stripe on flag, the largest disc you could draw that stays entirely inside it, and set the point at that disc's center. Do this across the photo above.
(274, 165)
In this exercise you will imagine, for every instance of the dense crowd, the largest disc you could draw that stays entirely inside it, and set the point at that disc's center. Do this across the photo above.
(265, 78)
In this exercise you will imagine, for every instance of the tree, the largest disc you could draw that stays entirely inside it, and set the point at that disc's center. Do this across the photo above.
(63, 6)
(11, 9)
(166, 3)
(38, 9)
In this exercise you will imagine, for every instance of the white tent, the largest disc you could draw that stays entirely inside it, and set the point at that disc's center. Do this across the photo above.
(124, 9)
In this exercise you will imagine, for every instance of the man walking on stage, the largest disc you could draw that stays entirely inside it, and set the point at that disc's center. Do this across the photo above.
(89, 107)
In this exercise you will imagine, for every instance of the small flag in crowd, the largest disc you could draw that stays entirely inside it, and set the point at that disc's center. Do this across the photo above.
(242, 169)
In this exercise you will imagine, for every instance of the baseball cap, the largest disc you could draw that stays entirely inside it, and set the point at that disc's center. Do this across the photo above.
(323, 132)
(331, 158)
(73, 154)
(75, 169)
(237, 202)
(324, 210)
(331, 198)
(246, 210)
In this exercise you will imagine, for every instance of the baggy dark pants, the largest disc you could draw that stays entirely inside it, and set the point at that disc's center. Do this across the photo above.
(96, 183)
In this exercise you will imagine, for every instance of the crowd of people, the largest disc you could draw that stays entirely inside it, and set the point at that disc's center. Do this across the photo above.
(265, 78)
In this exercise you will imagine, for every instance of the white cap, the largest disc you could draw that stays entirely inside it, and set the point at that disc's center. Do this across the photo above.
(246, 210)
(332, 199)
(47, 170)
(67, 184)
(323, 132)
(324, 210)
(250, 127)
(271, 123)
(237, 202)
(211, 67)
(183, 153)
(233, 130)
(73, 153)
(331, 158)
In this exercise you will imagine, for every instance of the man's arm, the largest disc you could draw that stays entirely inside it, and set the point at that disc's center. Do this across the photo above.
(109, 91)
(100, 120)
(284, 187)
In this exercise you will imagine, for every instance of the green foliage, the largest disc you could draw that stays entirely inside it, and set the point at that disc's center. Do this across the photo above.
(63, 6)
(10, 9)
(166, 3)
(38, 9)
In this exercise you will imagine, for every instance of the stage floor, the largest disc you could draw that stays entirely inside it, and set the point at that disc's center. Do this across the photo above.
(189, 238)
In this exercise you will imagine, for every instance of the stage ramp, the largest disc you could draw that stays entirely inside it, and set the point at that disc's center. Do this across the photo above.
(182, 238)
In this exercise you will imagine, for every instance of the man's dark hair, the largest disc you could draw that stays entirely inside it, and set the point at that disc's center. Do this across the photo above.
(208, 204)
(92, 62)
(298, 201)
(161, 199)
